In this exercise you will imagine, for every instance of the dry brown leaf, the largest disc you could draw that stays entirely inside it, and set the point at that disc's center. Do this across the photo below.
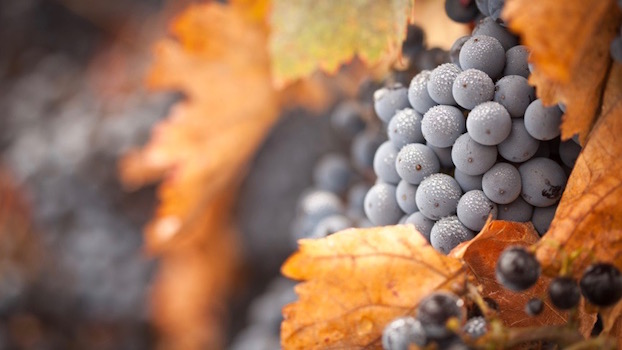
(569, 45)
(588, 222)
(357, 281)
(219, 60)
(481, 254)
(612, 322)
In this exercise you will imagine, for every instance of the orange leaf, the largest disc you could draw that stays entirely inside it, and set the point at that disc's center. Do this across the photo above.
(220, 62)
(612, 322)
(481, 254)
(569, 45)
(357, 281)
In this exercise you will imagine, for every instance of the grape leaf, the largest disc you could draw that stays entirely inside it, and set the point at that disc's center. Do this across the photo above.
(612, 322)
(357, 281)
(218, 58)
(481, 254)
(309, 34)
(569, 45)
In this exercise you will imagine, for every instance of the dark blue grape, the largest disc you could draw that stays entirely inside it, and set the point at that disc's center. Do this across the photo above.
(441, 82)
(488, 26)
(475, 327)
(381, 205)
(418, 95)
(569, 152)
(405, 194)
(489, 124)
(403, 332)
(543, 181)
(454, 51)
(601, 284)
(421, 223)
(564, 293)
(516, 61)
(389, 100)
(405, 128)
(416, 161)
(517, 269)
(333, 173)
(542, 218)
(442, 125)
(468, 182)
(502, 183)
(474, 208)
(384, 163)
(461, 11)
(515, 94)
(347, 119)
(519, 146)
(543, 123)
(484, 53)
(435, 310)
(447, 233)
(364, 148)
(471, 157)
(438, 196)
(518, 210)
(472, 87)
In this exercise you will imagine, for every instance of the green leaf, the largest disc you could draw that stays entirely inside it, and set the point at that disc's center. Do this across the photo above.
(310, 34)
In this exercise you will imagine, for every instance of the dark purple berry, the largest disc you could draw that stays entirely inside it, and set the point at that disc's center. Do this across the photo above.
(475, 327)
(564, 293)
(601, 284)
(534, 307)
(517, 269)
(435, 310)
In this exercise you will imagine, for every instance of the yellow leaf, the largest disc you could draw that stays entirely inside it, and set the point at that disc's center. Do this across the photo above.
(357, 281)
(308, 34)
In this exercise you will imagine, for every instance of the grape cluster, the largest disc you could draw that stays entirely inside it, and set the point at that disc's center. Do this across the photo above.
(430, 325)
(468, 140)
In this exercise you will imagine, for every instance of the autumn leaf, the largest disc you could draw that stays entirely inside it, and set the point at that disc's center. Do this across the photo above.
(569, 46)
(307, 34)
(218, 58)
(481, 255)
(356, 281)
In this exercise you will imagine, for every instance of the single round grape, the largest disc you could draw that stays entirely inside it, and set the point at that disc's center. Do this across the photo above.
(347, 119)
(519, 146)
(569, 152)
(436, 309)
(543, 181)
(518, 210)
(447, 233)
(461, 11)
(381, 205)
(494, 8)
(475, 327)
(484, 53)
(516, 61)
(437, 196)
(416, 161)
(333, 173)
(542, 217)
(543, 123)
(356, 199)
(403, 219)
(414, 44)
(471, 157)
(330, 225)
(402, 332)
(517, 269)
(454, 51)
(472, 87)
(515, 94)
(489, 124)
(488, 26)
(534, 307)
(405, 194)
(441, 82)
(364, 148)
(482, 6)
(444, 156)
(468, 182)
(502, 183)
(601, 284)
(474, 208)
(405, 128)
(418, 92)
(421, 223)
(389, 100)
(384, 163)
(564, 293)
(441, 125)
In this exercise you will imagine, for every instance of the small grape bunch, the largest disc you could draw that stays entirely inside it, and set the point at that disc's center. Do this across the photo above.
(469, 140)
